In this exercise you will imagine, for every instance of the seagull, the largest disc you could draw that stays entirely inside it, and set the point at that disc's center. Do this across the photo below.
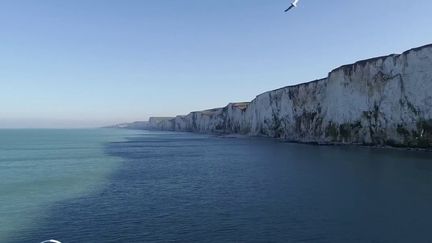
(51, 241)
(293, 5)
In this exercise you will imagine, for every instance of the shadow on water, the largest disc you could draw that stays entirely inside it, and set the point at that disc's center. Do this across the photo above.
(191, 188)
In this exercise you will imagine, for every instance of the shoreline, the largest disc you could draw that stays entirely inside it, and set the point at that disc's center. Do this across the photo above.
(383, 101)
(242, 136)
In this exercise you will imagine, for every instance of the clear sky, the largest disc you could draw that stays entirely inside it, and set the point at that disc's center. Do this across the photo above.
(80, 63)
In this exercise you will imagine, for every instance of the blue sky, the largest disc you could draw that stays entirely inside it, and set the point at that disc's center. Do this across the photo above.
(95, 62)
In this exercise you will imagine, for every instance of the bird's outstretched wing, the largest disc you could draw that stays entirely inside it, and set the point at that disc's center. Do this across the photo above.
(288, 9)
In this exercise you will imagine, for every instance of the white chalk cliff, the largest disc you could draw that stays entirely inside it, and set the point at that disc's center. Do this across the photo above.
(384, 100)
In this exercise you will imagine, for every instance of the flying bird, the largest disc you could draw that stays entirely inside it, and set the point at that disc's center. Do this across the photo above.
(293, 5)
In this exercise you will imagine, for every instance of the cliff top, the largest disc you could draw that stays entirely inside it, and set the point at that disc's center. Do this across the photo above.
(349, 67)
(374, 59)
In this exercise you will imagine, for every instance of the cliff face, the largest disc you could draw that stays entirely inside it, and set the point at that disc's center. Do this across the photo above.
(385, 100)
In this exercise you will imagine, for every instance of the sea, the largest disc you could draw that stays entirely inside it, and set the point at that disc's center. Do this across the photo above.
(112, 185)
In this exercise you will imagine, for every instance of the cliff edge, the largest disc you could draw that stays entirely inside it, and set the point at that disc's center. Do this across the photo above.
(380, 101)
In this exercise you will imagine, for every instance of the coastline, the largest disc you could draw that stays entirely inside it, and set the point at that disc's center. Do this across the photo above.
(384, 101)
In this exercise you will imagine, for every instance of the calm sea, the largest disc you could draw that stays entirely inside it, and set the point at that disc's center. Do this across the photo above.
(107, 185)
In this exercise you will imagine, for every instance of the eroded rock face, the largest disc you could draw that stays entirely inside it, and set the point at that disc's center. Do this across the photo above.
(385, 100)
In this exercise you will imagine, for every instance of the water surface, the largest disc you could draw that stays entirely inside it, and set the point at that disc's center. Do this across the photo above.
(39, 168)
(177, 187)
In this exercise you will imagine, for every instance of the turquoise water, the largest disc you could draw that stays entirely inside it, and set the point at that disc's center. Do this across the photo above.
(41, 167)
(136, 186)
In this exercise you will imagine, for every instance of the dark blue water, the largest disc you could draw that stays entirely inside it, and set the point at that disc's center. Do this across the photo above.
(173, 187)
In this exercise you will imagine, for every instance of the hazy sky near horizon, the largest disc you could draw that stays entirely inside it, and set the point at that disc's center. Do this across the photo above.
(82, 63)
